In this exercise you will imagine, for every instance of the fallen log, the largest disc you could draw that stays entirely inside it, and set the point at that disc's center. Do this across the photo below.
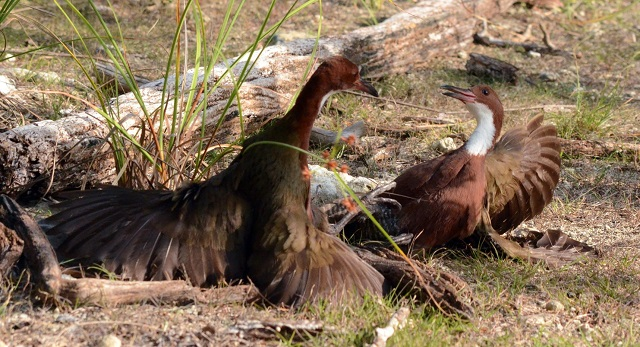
(444, 291)
(96, 291)
(39, 253)
(592, 148)
(10, 249)
(70, 148)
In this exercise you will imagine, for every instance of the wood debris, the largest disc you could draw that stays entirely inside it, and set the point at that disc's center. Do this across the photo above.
(397, 322)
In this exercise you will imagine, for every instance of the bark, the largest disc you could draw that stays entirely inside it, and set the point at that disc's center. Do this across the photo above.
(69, 148)
(443, 291)
(485, 66)
(106, 292)
(10, 249)
(39, 253)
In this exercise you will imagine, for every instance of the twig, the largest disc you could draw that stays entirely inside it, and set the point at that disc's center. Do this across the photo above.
(322, 137)
(546, 38)
(397, 322)
(444, 291)
(443, 121)
(369, 199)
(484, 38)
(296, 330)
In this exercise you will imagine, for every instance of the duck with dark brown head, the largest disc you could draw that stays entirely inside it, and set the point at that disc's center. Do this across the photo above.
(252, 220)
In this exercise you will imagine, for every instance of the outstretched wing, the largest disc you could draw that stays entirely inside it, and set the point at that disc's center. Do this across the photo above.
(198, 231)
(522, 172)
(295, 262)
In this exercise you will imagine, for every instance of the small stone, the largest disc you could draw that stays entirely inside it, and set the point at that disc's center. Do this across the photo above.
(326, 188)
(110, 341)
(444, 145)
(65, 318)
(536, 320)
(534, 54)
(9, 57)
(463, 55)
(547, 76)
(554, 305)
(585, 328)
(381, 154)
(6, 85)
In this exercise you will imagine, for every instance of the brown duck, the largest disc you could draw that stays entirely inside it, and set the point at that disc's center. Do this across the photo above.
(486, 184)
(253, 220)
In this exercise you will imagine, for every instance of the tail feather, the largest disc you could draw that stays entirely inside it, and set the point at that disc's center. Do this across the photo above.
(334, 273)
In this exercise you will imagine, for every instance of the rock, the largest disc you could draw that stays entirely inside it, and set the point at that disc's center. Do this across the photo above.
(534, 54)
(463, 55)
(585, 328)
(554, 305)
(6, 85)
(548, 76)
(381, 155)
(8, 57)
(110, 341)
(325, 187)
(536, 320)
(65, 318)
(444, 145)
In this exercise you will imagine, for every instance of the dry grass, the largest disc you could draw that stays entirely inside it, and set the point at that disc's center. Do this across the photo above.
(597, 200)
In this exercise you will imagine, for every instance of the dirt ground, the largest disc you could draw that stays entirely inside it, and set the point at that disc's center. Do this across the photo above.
(597, 200)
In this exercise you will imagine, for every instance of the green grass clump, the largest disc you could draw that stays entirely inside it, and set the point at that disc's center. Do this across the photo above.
(591, 115)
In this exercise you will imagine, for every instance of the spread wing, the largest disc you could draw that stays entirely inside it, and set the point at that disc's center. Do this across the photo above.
(198, 231)
(295, 262)
(522, 171)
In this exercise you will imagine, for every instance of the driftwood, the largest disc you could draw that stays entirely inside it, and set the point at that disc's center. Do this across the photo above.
(106, 292)
(324, 138)
(10, 249)
(485, 66)
(440, 289)
(38, 252)
(483, 38)
(68, 148)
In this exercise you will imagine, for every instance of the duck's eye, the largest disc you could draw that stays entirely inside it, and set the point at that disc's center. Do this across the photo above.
(485, 91)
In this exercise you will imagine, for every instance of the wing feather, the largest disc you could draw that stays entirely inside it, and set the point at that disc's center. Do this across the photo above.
(522, 172)
(201, 228)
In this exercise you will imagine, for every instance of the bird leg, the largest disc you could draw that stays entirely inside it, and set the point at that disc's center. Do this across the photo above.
(370, 200)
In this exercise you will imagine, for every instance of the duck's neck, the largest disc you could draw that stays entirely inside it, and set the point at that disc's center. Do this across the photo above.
(487, 131)
(306, 109)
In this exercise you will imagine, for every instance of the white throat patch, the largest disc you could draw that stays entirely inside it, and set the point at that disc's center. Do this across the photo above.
(324, 98)
(482, 138)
